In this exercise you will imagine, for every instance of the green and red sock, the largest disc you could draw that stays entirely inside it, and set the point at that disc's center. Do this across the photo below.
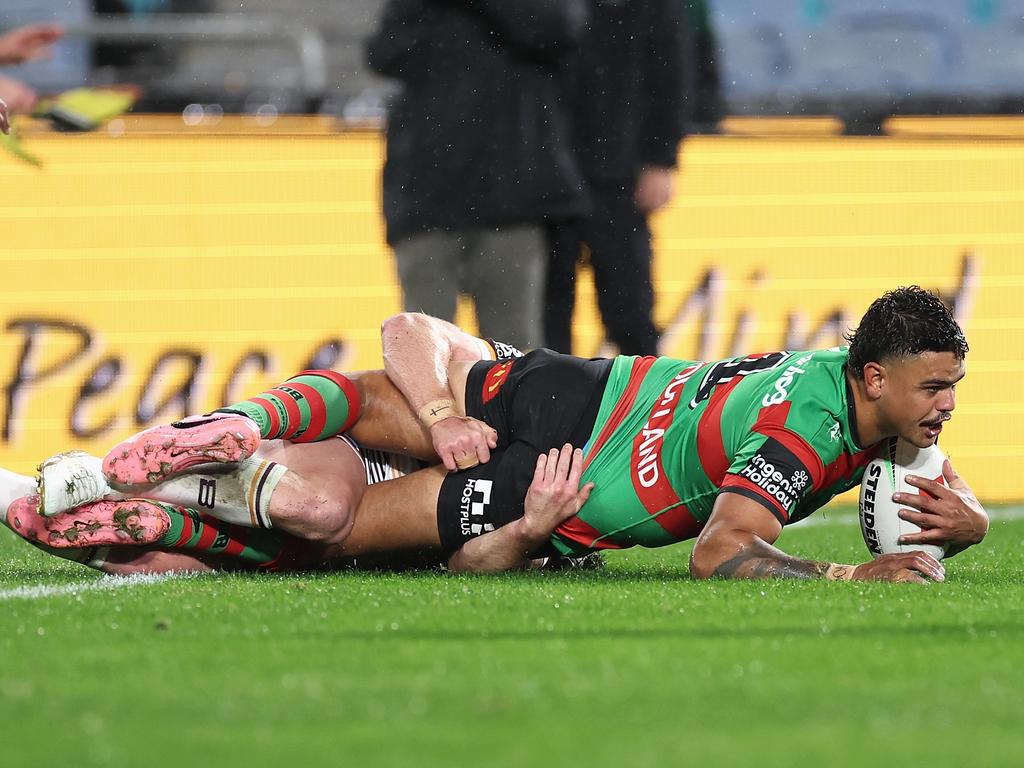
(270, 550)
(312, 406)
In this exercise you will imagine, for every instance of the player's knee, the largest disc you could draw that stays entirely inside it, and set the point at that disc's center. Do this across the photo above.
(328, 523)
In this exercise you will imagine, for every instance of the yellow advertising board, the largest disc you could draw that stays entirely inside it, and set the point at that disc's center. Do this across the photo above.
(149, 275)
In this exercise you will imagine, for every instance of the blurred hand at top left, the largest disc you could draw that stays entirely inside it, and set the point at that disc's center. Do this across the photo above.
(5, 123)
(30, 42)
(19, 98)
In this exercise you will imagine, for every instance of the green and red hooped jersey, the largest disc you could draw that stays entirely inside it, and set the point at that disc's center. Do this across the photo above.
(673, 434)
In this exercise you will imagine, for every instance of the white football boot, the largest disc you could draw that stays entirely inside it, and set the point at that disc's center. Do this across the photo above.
(69, 480)
(13, 486)
(14, 489)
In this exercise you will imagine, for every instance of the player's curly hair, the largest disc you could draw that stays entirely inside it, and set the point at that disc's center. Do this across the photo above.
(901, 323)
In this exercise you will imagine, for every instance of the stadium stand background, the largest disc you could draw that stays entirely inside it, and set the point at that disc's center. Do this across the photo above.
(865, 60)
(861, 61)
(165, 264)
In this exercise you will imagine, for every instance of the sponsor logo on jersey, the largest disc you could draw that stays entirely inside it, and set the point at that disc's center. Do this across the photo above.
(800, 480)
(867, 510)
(495, 379)
(503, 351)
(782, 484)
(476, 496)
(835, 432)
(647, 445)
(784, 382)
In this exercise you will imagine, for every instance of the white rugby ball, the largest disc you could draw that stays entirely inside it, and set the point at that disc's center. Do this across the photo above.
(879, 514)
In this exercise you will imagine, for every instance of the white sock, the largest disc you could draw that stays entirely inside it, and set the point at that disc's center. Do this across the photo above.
(13, 486)
(239, 494)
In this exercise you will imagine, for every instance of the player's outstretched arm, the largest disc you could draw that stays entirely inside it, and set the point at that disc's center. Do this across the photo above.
(738, 543)
(949, 514)
(417, 351)
(554, 496)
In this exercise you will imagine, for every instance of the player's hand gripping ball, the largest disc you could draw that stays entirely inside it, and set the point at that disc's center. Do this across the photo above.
(879, 514)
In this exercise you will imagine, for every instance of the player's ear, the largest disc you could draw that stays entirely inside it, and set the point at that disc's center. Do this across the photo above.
(874, 379)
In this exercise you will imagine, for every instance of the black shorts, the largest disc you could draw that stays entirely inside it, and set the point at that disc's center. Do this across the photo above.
(537, 402)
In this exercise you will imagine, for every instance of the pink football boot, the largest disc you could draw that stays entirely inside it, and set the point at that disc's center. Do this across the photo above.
(159, 453)
(101, 523)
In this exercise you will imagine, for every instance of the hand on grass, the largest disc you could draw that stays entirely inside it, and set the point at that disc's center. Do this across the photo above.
(915, 567)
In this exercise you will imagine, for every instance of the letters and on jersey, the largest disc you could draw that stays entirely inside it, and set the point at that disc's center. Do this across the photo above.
(672, 434)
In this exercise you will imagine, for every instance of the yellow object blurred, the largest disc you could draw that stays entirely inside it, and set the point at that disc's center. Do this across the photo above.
(80, 109)
(13, 144)
(85, 109)
(742, 125)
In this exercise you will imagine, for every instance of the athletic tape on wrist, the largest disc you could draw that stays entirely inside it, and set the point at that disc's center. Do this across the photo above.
(467, 462)
(839, 572)
(435, 411)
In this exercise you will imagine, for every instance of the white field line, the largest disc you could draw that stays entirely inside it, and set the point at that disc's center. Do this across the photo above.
(997, 515)
(104, 584)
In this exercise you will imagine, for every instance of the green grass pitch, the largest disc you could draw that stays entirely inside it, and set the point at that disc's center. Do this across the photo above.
(634, 665)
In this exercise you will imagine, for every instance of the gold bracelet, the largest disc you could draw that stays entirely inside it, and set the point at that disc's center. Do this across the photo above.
(839, 572)
(435, 411)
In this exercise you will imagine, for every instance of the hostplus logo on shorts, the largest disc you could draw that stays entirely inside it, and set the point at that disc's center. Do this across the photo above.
(765, 475)
(476, 495)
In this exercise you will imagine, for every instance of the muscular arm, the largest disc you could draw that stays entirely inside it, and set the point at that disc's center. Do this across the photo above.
(418, 349)
(738, 541)
(506, 549)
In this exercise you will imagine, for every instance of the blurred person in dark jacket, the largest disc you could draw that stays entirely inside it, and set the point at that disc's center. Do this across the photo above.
(626, 89)
(477, 153)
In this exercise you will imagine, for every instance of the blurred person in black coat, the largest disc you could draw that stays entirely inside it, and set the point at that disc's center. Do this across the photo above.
(626, 89)
(477, 153)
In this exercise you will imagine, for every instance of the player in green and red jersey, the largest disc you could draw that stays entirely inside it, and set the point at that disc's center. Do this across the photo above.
(773, 428)
(730, 450)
